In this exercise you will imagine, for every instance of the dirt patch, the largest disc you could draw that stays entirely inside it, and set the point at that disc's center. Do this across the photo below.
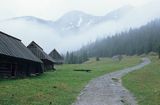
(83, 70)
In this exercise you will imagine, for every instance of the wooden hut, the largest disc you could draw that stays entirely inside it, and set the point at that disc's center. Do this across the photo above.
(48, 62)
(57, 57)
(16, 59)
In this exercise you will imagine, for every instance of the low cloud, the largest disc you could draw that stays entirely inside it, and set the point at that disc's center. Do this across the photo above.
(49, 39)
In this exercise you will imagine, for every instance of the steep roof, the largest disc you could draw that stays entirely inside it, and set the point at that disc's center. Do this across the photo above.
(13, 47)
(56, 56)
(38, 51)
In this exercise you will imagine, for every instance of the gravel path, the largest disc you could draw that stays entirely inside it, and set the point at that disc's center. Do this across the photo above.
(108, 90)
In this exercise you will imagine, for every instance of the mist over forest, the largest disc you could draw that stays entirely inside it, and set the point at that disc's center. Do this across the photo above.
(138, 41)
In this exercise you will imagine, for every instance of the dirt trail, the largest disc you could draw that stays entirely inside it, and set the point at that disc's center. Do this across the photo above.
(108, 90)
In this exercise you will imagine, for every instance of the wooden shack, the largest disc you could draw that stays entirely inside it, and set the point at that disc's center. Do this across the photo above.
(57, 57)
(48, 62)
(16, 59)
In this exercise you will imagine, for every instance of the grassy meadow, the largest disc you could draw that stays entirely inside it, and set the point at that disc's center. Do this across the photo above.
(60, 87)
(145, 83)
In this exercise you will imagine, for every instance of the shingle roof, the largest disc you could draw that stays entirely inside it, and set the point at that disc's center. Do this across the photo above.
(56, 56)
(38, 51)
(13, 47)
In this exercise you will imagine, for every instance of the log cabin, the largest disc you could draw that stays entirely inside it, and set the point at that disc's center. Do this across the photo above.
(16, 59)
(57, 57)
(48, 62)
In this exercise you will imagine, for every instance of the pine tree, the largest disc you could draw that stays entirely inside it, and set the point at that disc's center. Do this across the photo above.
(67, 58)
(159, 52)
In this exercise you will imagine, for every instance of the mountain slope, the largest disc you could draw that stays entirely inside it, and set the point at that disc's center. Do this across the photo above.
(77, 21)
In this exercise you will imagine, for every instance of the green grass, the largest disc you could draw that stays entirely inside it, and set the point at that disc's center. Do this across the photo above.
(145, 83)
(60, 87)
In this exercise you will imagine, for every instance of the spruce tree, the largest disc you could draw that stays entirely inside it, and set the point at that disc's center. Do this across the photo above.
(159, 52)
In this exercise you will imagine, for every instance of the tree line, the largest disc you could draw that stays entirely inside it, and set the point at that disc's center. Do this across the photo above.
(76, 57)
(138, 41)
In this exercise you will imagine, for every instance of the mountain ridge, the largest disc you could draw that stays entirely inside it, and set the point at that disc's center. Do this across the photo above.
(75, 21)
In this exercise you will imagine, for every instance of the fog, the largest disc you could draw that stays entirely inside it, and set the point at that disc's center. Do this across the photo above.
(49, 39)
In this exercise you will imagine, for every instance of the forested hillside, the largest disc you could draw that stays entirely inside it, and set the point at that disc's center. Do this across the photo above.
(136, 41)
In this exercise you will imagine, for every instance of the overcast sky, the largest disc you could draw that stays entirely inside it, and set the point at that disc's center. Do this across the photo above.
(144, 11)
(53, 9)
